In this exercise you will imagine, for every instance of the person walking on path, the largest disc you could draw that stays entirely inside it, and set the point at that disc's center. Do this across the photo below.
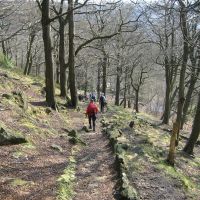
(92, 96)
(91, 112)
(102, 102)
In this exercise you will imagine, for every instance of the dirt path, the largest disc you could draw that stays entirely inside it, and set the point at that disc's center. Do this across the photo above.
(96, 177)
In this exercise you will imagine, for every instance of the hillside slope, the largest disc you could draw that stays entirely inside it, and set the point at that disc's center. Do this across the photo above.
(31, 170)
(141, 153)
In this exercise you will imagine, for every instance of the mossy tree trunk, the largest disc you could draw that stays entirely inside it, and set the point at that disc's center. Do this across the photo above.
(172, 148)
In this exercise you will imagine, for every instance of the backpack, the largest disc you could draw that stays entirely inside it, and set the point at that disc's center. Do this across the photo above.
(103, 99)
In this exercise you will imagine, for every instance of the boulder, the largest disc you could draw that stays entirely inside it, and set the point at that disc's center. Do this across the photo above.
(7, 138)
(57, 147)
(131, 124)
(48, 110)
(85, 128)
(21, 97)
(7, 96)
(72, 133)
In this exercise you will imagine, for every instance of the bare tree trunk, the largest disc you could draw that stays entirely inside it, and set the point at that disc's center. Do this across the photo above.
(30, 64)
(22, 59)
(49, 76)
(166, 113)
(98, 81)
(32, 37)
(71, 60)
(170, 65)
(183, 16)
(57, 73)
(195, 131)
(175, 133)
(129, 94)
(194, 77)
(16, 63)
(4, 49)
(104, 66)
(125, 89)
(63, 92)
(86, 80)
(136, 101)
(117, 93)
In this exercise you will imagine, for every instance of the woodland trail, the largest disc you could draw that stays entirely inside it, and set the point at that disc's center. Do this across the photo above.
(95, 178)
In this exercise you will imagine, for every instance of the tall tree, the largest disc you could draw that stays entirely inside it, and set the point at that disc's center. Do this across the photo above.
(71, 59)
(176, 126)
(49, 70)
(194, 54)
(189, 147)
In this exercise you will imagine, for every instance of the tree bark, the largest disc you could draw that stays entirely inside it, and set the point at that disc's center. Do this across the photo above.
(98, 81)
(63, 92)
(129, 94)
(183, 18)
(117, 93)
(104, 67)
(86, 80)
(32, 37)
(172, 148)
(49, 76)
(30, 64)
(125, 88)
(193, 79)
(189, 147)
(136, 101)
(71, 59)
(170, 65)
(176, 125)
(166, 113)
(4, 48)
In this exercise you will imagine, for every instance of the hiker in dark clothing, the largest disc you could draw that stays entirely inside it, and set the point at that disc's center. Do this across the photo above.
(91, 113)
(102, 102)
(93, 97)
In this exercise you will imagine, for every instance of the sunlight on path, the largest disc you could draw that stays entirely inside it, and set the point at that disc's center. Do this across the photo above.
(96, 177)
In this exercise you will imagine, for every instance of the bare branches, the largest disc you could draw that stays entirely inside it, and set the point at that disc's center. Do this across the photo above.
(60, 14)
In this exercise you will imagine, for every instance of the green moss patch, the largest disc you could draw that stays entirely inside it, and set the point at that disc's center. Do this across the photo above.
(67, 180)
(19, 182)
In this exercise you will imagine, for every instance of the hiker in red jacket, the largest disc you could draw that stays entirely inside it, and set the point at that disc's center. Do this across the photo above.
(91, 113)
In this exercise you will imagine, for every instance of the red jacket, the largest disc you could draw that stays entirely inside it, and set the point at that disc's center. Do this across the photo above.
(91, 109)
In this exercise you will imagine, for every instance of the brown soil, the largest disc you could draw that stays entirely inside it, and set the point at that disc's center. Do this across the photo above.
(96, 177)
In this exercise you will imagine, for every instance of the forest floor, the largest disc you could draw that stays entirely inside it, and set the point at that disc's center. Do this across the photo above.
(49, 167)
(45, 167)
